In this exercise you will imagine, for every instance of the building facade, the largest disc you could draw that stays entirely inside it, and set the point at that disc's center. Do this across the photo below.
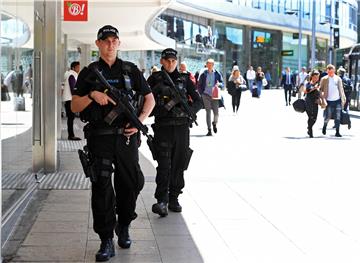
(261, 33)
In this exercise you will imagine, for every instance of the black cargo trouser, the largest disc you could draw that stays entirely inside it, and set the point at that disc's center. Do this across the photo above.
(172, 144)
(111, 154)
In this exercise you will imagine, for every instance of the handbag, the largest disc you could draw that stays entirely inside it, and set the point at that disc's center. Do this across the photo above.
(299, 105)
(344, 118)
(243, 87)
(264, 82)
(215, 93)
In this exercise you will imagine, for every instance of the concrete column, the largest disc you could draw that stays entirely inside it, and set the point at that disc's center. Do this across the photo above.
(85, 57)
(46, 84)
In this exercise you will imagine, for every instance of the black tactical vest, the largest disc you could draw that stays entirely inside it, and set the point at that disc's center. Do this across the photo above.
(163, 95)
(125, 81)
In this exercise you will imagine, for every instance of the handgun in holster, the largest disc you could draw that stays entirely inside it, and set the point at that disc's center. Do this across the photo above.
(87, 163)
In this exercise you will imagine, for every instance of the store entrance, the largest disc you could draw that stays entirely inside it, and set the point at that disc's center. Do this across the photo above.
(265, 52)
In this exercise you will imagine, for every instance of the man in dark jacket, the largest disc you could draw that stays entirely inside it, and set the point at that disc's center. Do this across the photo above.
(288, 82)
(177, 102)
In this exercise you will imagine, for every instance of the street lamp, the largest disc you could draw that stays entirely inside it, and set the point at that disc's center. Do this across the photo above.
(298, 12)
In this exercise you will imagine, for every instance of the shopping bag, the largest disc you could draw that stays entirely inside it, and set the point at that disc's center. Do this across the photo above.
(215, 94)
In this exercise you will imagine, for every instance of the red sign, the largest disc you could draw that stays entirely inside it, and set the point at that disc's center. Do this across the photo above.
(76, 10)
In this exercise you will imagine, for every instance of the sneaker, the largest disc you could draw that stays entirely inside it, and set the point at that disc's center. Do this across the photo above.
(214, 127)
(160, 208)
(337, 134)
(106, 250)
(209, 133)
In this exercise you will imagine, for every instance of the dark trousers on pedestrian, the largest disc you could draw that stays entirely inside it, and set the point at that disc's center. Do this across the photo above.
(70, 118)
(287, 90)
(236, 99)
(172, 144)
(112, 154)
(312, 109)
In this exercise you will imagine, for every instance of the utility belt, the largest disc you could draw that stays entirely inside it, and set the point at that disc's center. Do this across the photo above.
(171, 122)
(91, 131)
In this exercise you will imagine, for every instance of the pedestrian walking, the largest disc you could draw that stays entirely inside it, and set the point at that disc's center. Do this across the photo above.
(70, 78)
(209, 80)
(259, 81)
(288, 83)
(235, 84)
(332, 90)
(312, 97)
(250, 77)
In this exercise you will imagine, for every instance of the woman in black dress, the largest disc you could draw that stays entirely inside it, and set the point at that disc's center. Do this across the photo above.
(235, 83)
(312, 99)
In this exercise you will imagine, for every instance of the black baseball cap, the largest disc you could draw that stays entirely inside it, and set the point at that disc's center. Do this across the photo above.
(107, 31)
(169, 53)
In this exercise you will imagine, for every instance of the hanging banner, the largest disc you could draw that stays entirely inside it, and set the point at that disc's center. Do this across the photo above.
(76, 10)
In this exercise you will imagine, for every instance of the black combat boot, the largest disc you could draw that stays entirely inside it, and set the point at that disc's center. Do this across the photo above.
(122, 231)
(209, 133)
(160, 209)
(106, 250)
(174, 205)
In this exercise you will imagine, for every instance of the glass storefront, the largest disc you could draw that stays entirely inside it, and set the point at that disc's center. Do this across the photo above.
(290, 58)
(16, 85)
(265, 52)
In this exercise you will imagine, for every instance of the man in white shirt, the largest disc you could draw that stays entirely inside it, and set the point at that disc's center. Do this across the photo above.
(301, 81)
(70, 78)
(332, 90)
(250, 77)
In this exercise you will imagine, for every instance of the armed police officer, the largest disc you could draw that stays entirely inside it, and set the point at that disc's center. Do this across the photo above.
(112, 140)
(174, 114)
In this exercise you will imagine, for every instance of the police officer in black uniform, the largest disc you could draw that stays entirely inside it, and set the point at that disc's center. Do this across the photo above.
(113, 147)
(171, 130)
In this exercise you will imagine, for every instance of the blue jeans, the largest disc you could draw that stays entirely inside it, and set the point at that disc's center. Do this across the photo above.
(333, 111)
(251, 83)
(259, 87)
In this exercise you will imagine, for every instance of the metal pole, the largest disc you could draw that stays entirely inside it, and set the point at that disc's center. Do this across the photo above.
(300, 35)
(313, 35)
(330, 41)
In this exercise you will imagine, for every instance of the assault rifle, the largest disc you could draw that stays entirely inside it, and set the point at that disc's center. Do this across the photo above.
(123, 105)
(178, 98)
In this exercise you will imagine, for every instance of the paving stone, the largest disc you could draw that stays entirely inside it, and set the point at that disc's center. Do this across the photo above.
(63, 216)
(55, 239)
(50, 254)
(60, 227)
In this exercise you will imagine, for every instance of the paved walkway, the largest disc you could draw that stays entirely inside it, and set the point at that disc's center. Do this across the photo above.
(257, 191)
